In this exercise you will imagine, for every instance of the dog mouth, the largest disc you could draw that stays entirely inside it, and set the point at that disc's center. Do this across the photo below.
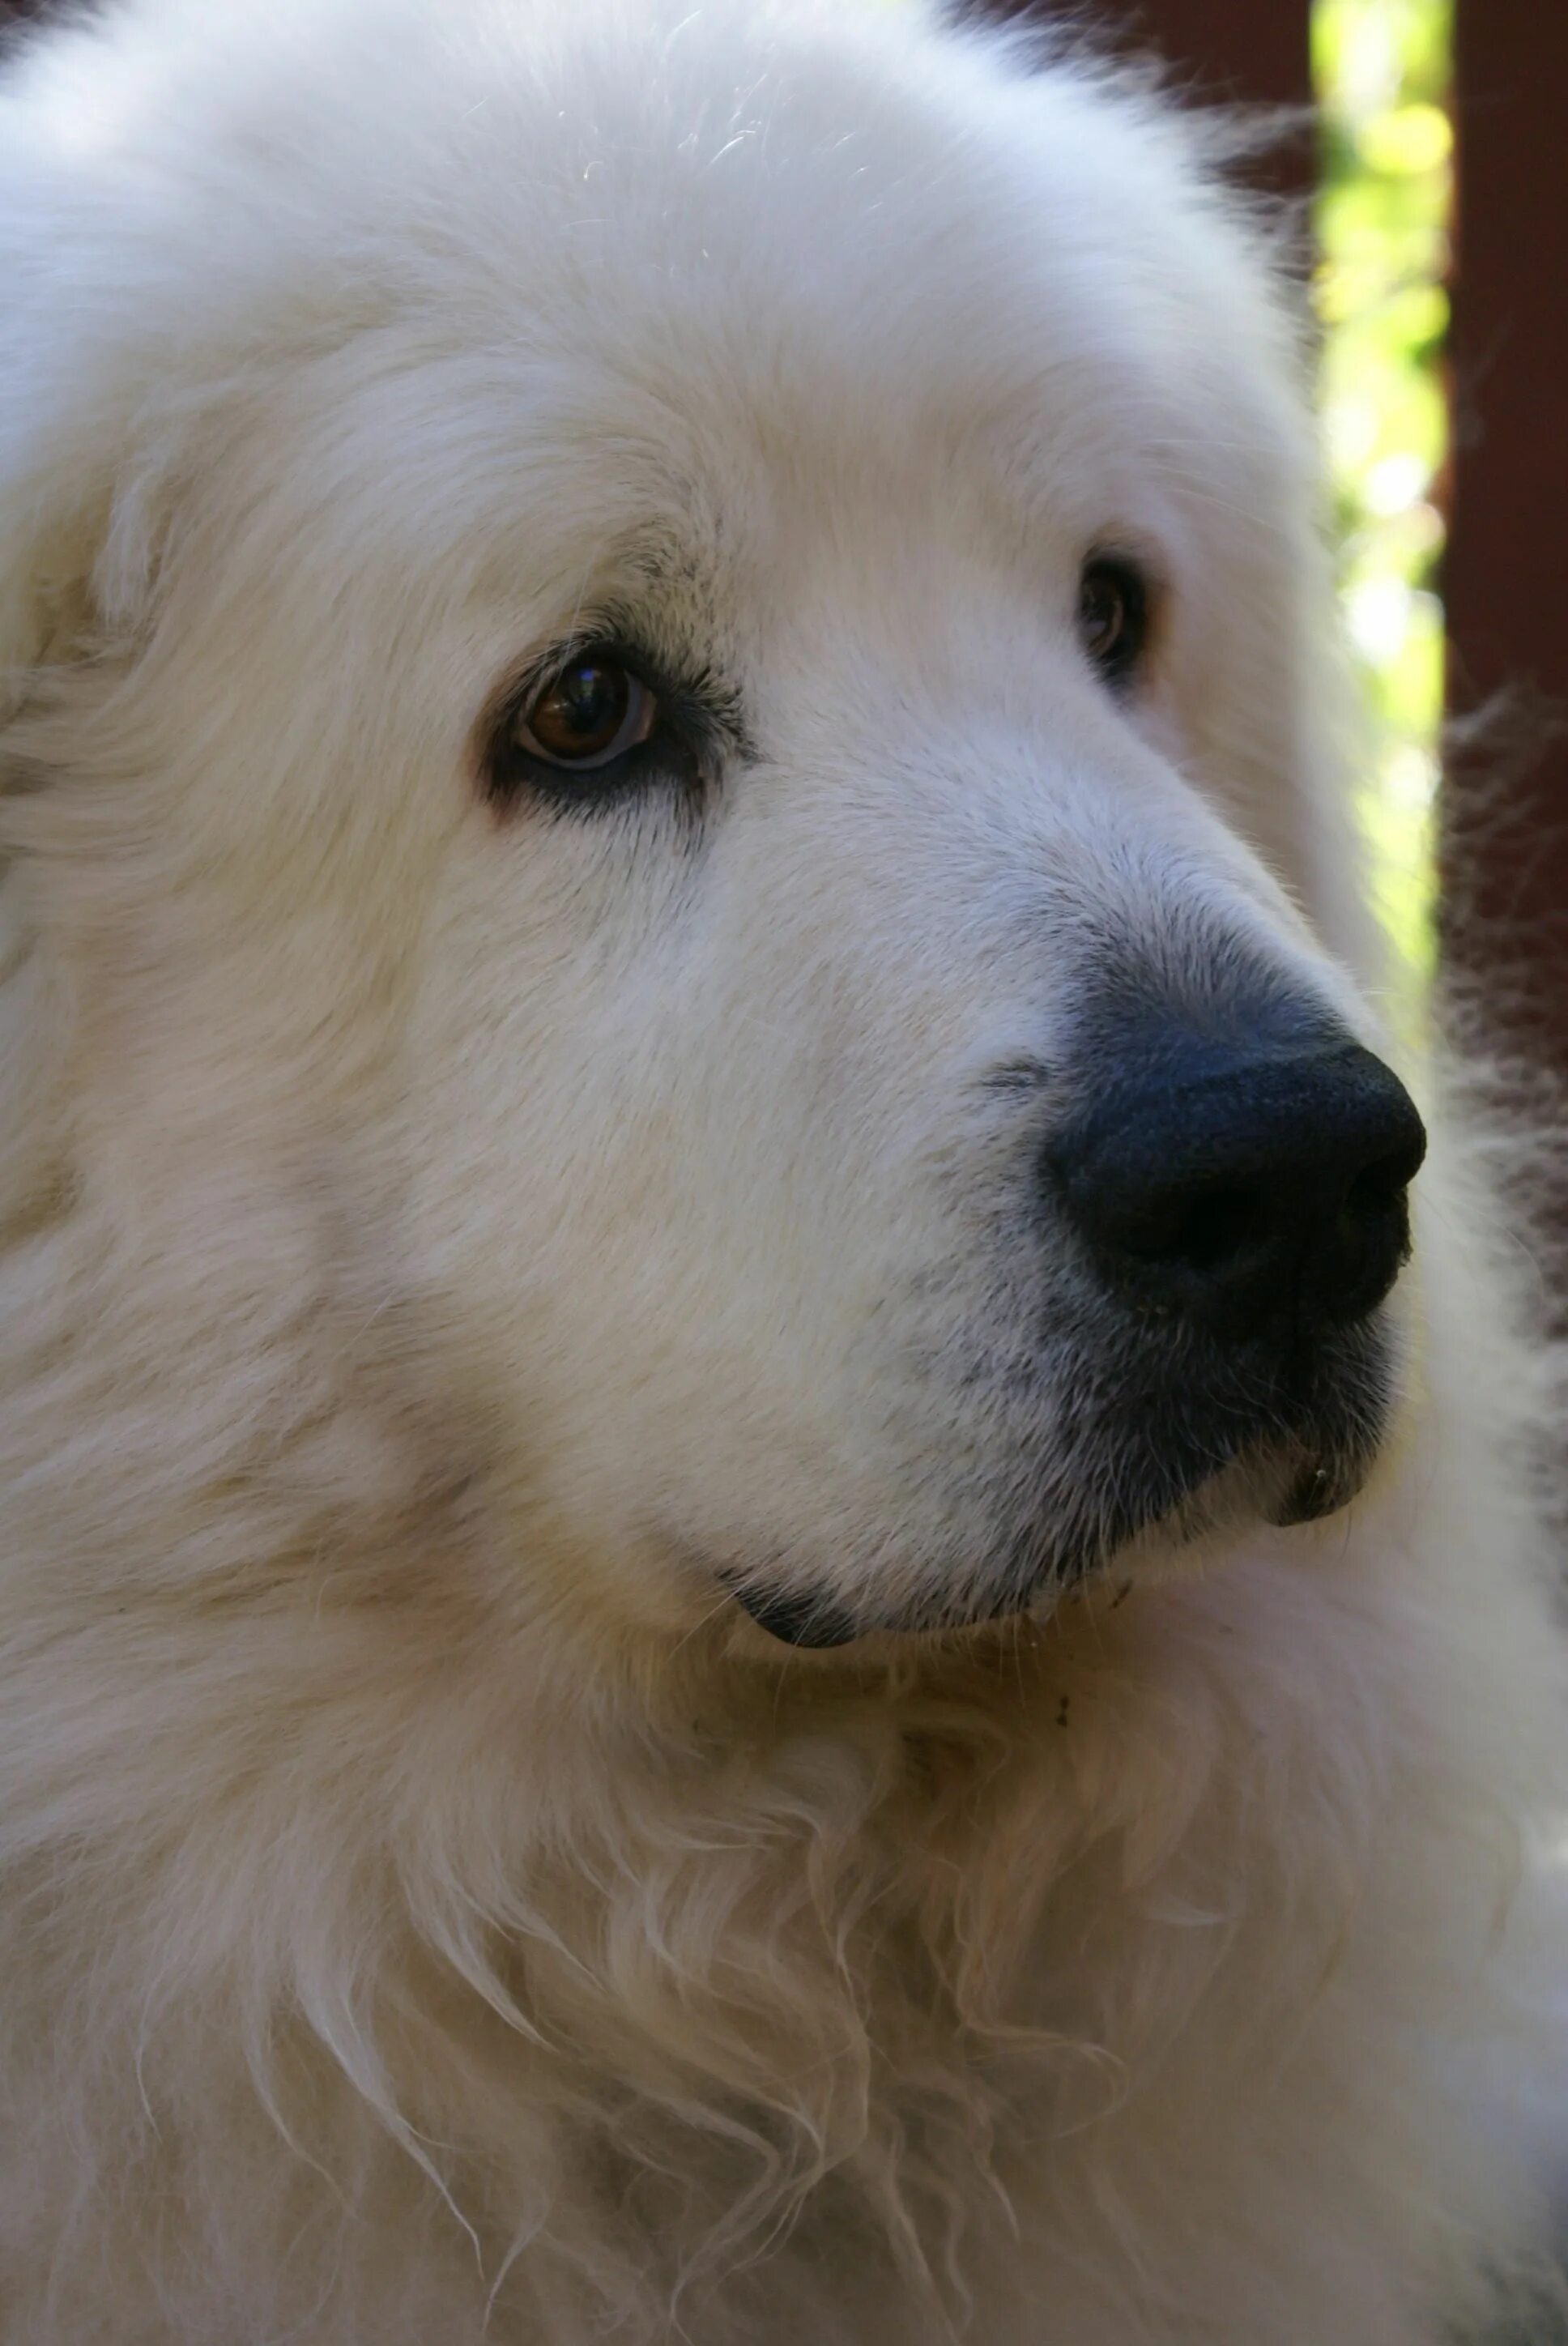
(1179, 1470)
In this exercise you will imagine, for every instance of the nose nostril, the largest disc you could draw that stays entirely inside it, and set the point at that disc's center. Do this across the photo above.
(1382, 1184)
(1198, 1231)
(1215, 1227)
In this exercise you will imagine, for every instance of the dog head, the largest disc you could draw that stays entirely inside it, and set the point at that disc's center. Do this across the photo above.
(686, 653)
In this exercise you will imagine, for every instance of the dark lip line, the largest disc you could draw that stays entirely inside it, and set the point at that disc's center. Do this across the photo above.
(805, 1622)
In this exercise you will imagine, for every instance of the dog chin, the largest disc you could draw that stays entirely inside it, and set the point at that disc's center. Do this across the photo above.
(1279, 1483)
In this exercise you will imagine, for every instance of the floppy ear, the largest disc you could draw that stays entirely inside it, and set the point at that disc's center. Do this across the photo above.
(79, 361)
(76, 539)
(53, 518)
(1282, 737)
(1271, 718)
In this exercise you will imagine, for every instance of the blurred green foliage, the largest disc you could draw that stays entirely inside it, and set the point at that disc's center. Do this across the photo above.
(1382, 69)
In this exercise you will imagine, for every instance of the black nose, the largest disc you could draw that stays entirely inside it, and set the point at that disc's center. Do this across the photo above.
(1248, 1191)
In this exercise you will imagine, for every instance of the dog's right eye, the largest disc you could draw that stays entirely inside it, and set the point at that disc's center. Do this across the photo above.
(592, 711)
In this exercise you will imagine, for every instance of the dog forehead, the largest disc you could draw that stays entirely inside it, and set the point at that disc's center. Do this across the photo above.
(736, 297)
(732, 195)
(840, 227)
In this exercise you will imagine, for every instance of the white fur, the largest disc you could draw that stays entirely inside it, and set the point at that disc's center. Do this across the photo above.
(431, 1910)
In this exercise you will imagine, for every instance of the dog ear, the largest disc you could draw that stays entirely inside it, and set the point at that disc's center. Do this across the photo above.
(75, 548)
(80, 375)
(53, 519)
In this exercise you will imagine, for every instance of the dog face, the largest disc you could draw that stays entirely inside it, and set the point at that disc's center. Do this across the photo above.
(720, 674)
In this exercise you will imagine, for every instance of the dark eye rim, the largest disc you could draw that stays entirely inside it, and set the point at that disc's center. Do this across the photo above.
(680, 753)
(1119, 666)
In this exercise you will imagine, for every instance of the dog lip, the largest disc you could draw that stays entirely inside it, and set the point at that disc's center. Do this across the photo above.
(797, 1619)
(809, 1623)
(1321, 1487)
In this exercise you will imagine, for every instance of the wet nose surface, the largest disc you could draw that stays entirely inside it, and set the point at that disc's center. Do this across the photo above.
(1245, 1191)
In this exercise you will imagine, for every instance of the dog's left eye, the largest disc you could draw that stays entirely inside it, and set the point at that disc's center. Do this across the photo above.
(1113, 616)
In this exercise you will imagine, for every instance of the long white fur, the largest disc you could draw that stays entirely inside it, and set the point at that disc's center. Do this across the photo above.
(430, 1910)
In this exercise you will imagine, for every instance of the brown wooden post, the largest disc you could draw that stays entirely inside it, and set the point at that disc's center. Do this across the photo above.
(1246, 51)
(1505, 826)
(1252, 50)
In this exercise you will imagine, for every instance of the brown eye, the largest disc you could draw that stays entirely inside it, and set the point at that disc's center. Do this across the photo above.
(1113, 616)
(591, 712)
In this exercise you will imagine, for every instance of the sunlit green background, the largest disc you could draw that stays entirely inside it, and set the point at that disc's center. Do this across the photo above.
(1382, 70)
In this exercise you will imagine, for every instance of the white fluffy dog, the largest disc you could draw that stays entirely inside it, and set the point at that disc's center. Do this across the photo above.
(738, 1599)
